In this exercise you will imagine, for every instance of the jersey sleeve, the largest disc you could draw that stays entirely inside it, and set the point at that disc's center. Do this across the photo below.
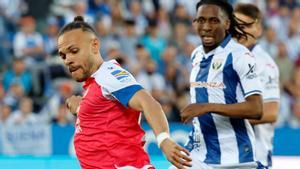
(246, 68)
(271, 87)
(118, 82)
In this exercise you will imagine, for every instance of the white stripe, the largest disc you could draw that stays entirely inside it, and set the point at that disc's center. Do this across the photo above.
(131, 167)
(251, 136)
(226, 135)
(227, 140)
(198, 135)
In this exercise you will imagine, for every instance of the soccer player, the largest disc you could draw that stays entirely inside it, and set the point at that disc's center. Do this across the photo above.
(250, 19)
(225, 92)
(108, 134)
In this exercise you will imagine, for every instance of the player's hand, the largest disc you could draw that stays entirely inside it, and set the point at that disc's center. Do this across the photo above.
(177, 155)
(72, 103)
(192, 110)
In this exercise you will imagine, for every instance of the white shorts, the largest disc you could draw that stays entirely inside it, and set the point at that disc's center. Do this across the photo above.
(197, 164)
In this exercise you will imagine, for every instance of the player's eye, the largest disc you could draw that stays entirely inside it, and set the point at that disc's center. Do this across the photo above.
(214, 20)
(62, 55)
(199, 20)
(74, 51)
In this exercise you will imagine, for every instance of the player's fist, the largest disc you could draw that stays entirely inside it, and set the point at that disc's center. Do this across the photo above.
(192, 110)
(72, 104)
(177, 155)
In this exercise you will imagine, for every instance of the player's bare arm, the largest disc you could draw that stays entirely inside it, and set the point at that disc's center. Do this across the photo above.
(143, 101)
(252, 108)
(72, 103)
(270, 111)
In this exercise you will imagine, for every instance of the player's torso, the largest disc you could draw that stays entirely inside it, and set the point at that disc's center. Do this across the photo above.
(264, 133)
(108, 134)
(218, 139)
(99, 115)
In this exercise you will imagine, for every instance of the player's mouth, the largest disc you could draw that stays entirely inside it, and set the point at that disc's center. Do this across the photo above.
(207, 39)
(73, 68)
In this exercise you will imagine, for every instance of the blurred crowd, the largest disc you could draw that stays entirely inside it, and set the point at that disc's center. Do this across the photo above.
(153, 39)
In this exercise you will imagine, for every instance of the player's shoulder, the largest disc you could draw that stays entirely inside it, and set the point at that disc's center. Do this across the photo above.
(258, 50)
(110, 72)
(198, 50)
(238, 51)
(263, 56)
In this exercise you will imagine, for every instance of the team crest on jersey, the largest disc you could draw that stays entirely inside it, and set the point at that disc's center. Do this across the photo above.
(217, 64)
(120, 74)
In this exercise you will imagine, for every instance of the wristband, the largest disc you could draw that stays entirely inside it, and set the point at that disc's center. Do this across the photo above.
(161, 137)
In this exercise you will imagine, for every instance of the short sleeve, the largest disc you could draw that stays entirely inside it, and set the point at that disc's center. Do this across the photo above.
(270, 82)
(246, 68)
(117, 82)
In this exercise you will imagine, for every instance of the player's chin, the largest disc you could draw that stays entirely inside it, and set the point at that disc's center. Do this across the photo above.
(79, 78)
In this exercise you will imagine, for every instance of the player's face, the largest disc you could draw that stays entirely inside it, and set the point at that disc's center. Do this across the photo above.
(250, 26)
(211, 25)
(75, 48)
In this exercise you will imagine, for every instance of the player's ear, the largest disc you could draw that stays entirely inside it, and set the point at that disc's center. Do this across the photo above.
(95, 45)
(227, 24)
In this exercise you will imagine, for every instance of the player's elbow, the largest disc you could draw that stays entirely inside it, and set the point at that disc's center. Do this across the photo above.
(257, 111)
(271, 118)
(255, 107)
(257, 114)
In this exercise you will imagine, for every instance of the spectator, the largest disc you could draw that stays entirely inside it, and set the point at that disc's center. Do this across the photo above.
(128, 40)
(151, 80)
(135, 13)
(18, 74)
(24, 114)
(283, 62)
(50, 38)
(153, 43)
(294, 120)
(14, 95)
(28, 43)
(5, 112)
(293, 85)
(62, 117)
(269, 41)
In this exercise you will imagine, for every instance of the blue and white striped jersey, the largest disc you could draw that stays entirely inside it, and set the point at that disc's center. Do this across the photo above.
(226, 75)
(269, 76)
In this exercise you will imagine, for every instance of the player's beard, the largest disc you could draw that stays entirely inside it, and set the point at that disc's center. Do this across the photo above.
(80, 75)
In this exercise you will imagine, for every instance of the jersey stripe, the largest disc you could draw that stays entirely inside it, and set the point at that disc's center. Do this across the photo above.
(126, 93)
(231, 81)
(207, 125)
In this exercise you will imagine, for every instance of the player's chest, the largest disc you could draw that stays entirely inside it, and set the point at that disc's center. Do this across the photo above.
(93, 100)
(209, 70)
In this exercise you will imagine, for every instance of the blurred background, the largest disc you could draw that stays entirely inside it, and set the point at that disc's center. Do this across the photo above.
(153, 39)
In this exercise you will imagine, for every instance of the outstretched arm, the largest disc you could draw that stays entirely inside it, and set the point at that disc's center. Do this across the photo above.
(270, 112)
(250, 109)
(143, 101)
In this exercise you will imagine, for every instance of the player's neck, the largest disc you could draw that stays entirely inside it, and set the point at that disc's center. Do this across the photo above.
(96, 64)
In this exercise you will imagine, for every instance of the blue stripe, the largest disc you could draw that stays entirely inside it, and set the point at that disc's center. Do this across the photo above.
(194, 56)
(231, 80)
(125, 94)
(270, 158)
(208, 127)
(190, 144)
(225, 41)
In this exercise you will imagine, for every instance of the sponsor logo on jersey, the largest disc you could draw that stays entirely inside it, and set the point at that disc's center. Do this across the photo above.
(251, 74)
(213, 85)
(120, 74)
